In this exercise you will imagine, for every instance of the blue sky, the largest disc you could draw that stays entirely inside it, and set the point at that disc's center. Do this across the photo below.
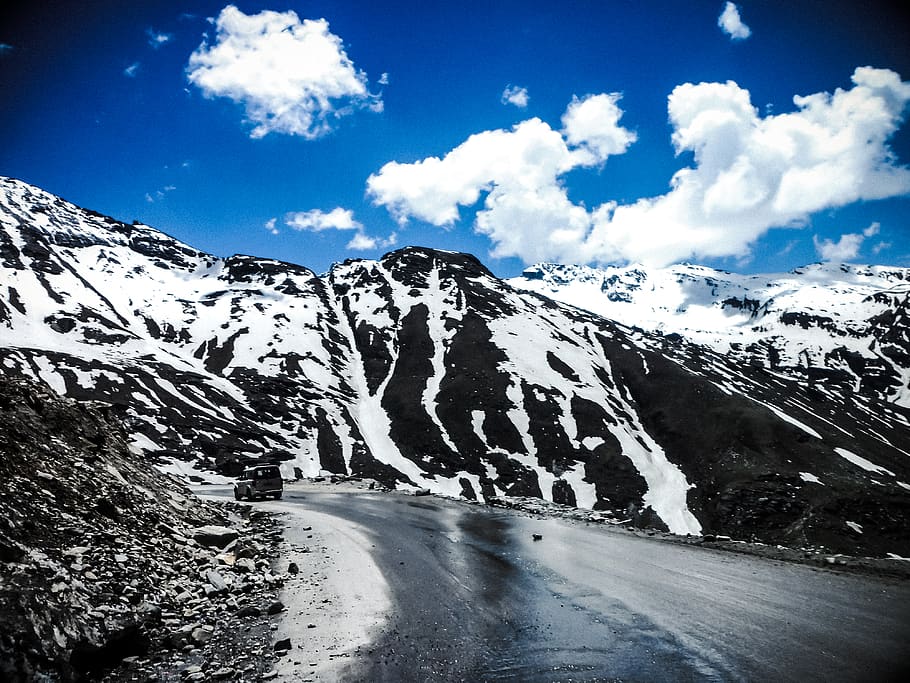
(517, 131)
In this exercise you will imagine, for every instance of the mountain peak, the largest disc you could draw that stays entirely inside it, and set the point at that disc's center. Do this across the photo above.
(414, 256)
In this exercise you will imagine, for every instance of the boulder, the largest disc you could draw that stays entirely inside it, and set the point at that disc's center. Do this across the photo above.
(214, 536)
(216, 580)
(244, 565)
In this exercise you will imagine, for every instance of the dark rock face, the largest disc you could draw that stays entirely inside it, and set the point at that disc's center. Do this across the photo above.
(422, 369)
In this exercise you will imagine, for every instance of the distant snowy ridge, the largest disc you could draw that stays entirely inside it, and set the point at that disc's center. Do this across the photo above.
(845, 328)
(422, 369)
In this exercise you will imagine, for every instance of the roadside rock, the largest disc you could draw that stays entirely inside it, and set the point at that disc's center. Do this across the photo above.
(214, 536)
(86, 594)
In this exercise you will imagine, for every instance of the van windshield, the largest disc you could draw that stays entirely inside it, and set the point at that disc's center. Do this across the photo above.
(266, 473)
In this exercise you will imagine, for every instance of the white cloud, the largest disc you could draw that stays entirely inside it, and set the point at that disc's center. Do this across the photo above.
(516, 95)
(291, 76)
(316, 220)
(847, 247)
(592, 124)
(157, 39)
(152, 197)
(526, 211)
(363, 242)
(270, 226)
(131, 70)
(731, 23)
(880, 247)
(750, 174)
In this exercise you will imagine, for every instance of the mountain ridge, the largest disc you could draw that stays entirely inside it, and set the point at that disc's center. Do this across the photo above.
(421, 369)
(822, 317)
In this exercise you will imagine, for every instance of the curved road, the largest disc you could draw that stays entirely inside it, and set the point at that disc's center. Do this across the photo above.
(475, 598)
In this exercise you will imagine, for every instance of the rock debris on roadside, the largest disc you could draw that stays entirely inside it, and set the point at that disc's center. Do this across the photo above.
(112, 571)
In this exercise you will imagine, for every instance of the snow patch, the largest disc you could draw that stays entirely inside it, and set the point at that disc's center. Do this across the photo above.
(189, 473)
(861, 462)
(811, 478)
(585, 492)
(787, 418)
(48, 374)
(592, 442)
(477, 418)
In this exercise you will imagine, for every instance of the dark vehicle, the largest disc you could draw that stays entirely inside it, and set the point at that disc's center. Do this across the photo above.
(261, 480)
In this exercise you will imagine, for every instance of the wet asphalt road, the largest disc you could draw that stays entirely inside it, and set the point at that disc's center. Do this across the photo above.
(475, 598)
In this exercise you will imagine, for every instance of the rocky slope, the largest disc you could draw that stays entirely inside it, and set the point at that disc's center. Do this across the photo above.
(424, 370)
(102, 559)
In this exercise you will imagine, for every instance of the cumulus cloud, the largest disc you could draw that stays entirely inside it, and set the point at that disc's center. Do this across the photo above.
(750, 174)
(592, 125)
(731, 23)
(291, 76)
(516, 95)
(520, 171)
(131, 70)
(157, 39)
(847, 247)
(316, 220)
(270, 226)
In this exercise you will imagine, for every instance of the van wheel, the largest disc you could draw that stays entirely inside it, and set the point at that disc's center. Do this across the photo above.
(237, 494)
(277, 496)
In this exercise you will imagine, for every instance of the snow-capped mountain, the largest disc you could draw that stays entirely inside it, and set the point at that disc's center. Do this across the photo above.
(843, 328)
(422, 369)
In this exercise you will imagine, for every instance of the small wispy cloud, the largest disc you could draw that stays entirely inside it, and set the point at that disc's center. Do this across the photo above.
(847, 247)
(131, 70)
(270, 226)
(364, 242)
(317, 220)
(157, 195)
(515, 95)
(880, 247)
(338, 218)
(156, 39)
(788, 247)
(732, 24)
